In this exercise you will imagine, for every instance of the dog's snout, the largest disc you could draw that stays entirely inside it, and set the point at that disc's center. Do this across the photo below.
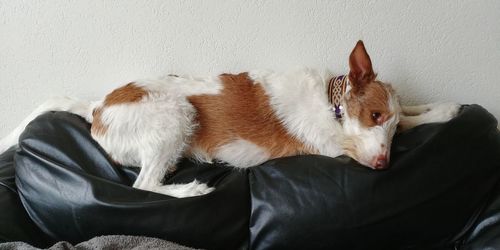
(380, 162)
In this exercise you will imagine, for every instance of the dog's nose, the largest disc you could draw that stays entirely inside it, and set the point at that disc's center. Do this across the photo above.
(380, 162)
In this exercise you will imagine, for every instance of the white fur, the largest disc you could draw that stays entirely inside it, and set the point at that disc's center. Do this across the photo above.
(155, 132)
(199, 155)
(435, 112)
(193, 188)
(182, 86)
(373, 141)
(242, 153)
(81, 108)
(300, 101)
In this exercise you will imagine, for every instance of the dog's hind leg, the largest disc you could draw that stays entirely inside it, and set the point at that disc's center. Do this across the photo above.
(162, 147)
(152, 133)
(153, 171)
(155, 162)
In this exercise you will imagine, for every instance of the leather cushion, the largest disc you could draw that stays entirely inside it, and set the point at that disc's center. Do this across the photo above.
(440, 177)
(438, 184)
(74, 192)
(15, 224)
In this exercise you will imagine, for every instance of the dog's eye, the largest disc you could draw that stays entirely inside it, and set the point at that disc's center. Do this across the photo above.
(376, 117)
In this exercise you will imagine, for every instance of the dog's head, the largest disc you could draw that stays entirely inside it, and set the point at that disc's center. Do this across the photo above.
(371, 113)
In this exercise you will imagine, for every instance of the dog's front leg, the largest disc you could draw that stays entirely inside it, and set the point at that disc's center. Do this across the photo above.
(417, 109)
(413, 116)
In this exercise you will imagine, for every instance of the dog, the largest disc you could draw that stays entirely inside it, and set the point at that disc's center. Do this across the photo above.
(246, 119)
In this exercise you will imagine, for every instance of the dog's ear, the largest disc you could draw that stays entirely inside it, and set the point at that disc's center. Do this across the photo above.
(361, 71)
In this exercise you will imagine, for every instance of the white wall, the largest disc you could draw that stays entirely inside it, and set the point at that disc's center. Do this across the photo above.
(430, 50)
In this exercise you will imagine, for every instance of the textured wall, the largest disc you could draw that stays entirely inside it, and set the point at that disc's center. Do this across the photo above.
(429, 50)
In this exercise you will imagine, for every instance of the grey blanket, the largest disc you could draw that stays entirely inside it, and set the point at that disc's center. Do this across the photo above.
(105, 242)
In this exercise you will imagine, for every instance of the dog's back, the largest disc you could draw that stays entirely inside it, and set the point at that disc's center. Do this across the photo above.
(240, 126)
(230, 118)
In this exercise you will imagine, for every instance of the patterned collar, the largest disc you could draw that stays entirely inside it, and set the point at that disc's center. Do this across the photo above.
(336, 90)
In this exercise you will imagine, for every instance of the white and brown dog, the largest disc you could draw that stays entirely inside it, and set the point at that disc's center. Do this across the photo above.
(246, 119)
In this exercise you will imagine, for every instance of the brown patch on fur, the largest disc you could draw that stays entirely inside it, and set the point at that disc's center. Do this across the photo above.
(126, 94)
(241, 111)
(372, 98)
(98, 128)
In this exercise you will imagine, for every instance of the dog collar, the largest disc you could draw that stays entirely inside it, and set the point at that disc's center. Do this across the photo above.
(336, 90)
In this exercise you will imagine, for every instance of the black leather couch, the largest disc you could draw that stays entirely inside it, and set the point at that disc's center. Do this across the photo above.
(441, 192)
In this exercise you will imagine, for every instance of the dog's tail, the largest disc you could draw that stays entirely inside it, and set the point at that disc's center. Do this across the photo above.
(81, 108)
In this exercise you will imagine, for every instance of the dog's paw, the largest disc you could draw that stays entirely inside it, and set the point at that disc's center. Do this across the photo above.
(443, 112)
(436, 112)
(191, 189)
(196, 188)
